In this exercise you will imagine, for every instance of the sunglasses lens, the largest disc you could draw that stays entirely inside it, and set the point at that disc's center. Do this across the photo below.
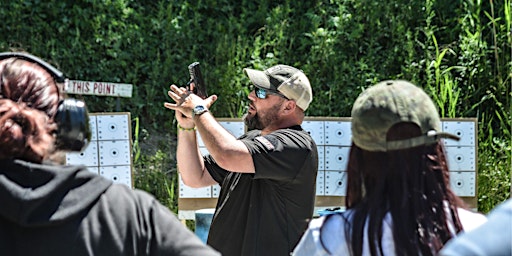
(260, 93)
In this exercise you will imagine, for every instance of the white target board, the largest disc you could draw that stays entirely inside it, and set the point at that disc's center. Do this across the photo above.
(333, 139)
(109, 153)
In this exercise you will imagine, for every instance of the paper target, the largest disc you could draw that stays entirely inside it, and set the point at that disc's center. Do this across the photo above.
(117, 174)
(109, 151)
(116, 152)
(113, 127)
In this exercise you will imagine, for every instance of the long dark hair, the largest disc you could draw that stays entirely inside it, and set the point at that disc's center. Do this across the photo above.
(29, 98)
(412, 185)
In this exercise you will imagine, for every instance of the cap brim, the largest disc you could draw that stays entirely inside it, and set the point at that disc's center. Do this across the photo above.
(445, 135)
(258, 78)
(430, 138)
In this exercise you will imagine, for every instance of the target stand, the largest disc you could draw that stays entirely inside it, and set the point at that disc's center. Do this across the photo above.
(109, 153)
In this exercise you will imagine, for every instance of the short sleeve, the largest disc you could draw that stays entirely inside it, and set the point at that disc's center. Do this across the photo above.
(217, 172)
(324, 236)
(280, 155)
(333, 235)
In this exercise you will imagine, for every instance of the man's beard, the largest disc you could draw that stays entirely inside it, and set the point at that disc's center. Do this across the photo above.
(253, 122)
(257, 122)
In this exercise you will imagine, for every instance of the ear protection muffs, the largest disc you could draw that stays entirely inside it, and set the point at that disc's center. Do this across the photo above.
(72, 119)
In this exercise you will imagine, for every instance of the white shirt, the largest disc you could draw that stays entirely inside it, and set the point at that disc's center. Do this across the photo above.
(336, 243)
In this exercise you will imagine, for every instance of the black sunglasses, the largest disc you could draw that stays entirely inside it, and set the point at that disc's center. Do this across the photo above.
(262, 93)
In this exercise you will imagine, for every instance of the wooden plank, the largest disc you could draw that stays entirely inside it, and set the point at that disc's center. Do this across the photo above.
(196, 203)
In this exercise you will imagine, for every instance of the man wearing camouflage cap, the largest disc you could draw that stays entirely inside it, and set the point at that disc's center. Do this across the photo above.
(399, 200)
(267, 176)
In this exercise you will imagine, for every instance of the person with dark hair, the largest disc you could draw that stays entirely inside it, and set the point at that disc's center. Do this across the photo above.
(53, 209)
(267, 176)
(398, 201)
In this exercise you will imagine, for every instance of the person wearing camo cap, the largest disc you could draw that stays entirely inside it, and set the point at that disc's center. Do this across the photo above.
(398, 200)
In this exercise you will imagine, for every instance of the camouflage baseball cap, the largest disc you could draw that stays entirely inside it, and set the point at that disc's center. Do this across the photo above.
(387, 103)
(289, 81)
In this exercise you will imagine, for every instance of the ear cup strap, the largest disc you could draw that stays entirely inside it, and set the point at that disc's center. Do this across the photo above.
(57, 74)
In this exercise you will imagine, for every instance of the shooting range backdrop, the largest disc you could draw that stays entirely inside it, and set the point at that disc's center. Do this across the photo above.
(110, 151)
(333, 138)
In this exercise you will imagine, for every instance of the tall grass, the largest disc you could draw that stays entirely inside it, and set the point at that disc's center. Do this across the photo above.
(494, 153)
(472, 79)
(444, 89)
(494, 165)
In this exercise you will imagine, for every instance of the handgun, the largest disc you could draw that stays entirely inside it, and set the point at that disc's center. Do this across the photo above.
(196, 77)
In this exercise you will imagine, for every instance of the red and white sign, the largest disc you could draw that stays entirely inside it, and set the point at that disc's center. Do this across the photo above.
(99, 88)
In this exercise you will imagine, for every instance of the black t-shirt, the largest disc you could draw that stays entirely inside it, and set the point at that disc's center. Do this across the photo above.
(266, 213)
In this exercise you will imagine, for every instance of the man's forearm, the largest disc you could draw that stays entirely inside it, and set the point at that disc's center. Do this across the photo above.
(189, 160)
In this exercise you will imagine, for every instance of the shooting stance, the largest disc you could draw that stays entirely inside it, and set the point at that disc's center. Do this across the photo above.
(267, 176)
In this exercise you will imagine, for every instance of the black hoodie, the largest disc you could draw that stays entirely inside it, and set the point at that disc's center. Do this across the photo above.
(67, 210)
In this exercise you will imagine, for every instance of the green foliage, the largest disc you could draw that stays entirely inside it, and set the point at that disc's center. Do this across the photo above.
(460, 52)
(444, 90)
(155, 175)
(495, 165)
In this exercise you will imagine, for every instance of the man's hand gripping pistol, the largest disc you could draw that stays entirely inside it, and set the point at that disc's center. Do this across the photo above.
(196, 84)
